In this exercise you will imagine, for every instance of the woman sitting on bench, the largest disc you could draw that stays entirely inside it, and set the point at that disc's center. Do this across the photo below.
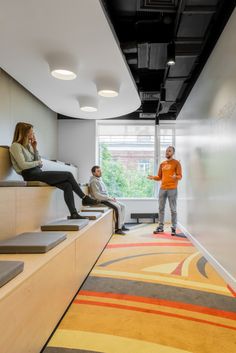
(26, 161)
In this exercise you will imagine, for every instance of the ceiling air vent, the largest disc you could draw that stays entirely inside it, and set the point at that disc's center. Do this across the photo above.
(149, 96)
(157, 5)
(147, 115)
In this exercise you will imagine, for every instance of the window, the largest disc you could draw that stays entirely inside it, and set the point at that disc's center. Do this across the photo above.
(126, 156)
(166, 139)
(144, 165)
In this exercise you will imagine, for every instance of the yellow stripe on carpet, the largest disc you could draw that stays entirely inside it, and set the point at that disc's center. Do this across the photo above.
(106, 343)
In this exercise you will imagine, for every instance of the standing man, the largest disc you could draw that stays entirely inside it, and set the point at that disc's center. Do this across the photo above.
(99, 191)
(169, 174)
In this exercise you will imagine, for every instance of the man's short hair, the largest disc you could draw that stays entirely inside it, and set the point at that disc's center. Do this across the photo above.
(93, 170)
(173, 148)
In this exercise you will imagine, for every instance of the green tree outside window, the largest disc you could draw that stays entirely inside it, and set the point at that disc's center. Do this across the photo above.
(122, 182)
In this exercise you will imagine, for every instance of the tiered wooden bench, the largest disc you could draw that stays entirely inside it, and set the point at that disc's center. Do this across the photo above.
(33, 302)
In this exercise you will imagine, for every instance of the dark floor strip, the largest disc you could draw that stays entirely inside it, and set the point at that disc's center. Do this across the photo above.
(107, 263)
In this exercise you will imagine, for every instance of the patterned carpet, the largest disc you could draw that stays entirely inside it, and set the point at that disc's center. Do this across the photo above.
(149, 294)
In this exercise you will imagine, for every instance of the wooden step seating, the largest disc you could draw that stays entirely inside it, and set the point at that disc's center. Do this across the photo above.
(33, 302)
(101, 209)
(36, 299)
(24, 208)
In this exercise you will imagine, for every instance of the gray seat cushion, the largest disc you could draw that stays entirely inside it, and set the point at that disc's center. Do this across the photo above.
(102, 209)
(66, 224)
(91, 215)
(9, 270)
(31, 243)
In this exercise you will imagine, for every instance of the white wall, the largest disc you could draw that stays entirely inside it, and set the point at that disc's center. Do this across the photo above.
(76, 145)
(17, 104)
(141, 206)
(206, 144)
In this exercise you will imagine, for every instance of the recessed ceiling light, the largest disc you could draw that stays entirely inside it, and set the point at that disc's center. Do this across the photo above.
(88, 109)
(62, 74)
(108, 93)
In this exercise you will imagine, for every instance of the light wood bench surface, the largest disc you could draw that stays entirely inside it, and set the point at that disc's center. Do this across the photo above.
(33, 302)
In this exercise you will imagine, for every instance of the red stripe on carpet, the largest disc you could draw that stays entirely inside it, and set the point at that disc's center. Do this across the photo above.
(129, 245)
(231, 290)
(162, 302)
(150, 311)
(167, 236)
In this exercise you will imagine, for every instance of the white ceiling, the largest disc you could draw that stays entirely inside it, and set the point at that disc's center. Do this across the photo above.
(31, 31)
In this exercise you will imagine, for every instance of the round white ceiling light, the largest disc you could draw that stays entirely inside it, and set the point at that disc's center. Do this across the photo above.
(107, 87)
(109, 93)
(88, 109)
(63, 74)
(62, 66)
(88, 104)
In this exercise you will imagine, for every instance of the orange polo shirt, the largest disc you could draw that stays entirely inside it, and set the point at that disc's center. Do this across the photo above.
(167, 170)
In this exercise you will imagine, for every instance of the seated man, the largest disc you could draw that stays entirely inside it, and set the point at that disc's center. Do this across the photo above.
(98, 191)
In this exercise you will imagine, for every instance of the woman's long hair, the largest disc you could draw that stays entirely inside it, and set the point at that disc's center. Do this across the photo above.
(21, 133)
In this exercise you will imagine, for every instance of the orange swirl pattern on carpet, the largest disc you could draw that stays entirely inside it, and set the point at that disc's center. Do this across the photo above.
(149, 294)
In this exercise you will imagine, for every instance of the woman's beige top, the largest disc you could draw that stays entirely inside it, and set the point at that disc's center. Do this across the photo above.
(23, 157)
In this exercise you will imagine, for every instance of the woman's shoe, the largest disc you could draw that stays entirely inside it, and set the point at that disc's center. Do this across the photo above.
(76, 216)
(88, 201)
(125, 229)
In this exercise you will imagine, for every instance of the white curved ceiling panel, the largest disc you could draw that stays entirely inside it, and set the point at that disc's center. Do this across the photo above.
(33, 32)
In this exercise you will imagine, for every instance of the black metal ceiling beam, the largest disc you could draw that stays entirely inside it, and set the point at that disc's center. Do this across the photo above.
(201, 10)
(188, 40)
(187, 49)
(177, 78)
(186, 55)
(129, 48)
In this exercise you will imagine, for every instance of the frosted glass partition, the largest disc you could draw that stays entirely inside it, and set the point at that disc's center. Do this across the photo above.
(206, 145)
